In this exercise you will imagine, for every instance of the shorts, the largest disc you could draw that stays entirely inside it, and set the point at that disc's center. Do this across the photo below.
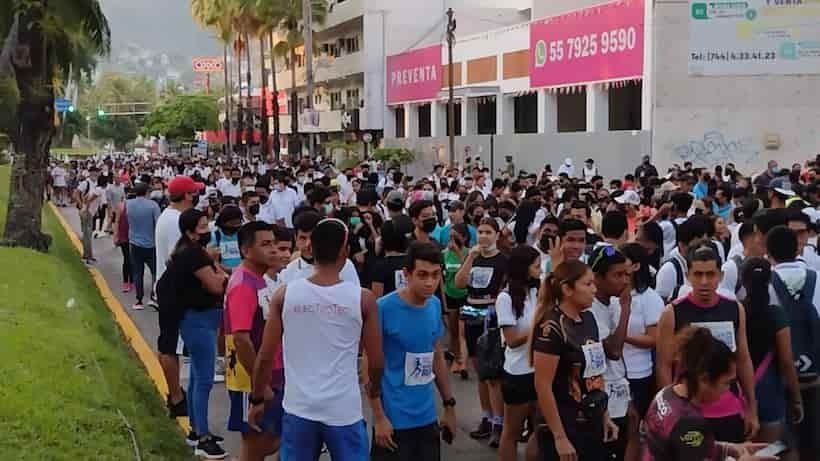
(415, 444)
(474, 327)
(616, 450)
(518, 389)
(302, 440)
(806, 432)
(238, 414)
(454, 304)
(728, 428)
(589, 445)
(642, 390)
(169, 320)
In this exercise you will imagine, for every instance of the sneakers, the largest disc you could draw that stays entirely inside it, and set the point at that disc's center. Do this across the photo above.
(192, 440)
(126, 287)
(210, 449)
(176, 410)
(495, 437)
(152, 302)
(138, 306)
(483, 430)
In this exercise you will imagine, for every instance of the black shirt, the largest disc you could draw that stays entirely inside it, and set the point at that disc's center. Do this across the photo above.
(189, 288)
(486, 276)
(388, 272)
(560, 335)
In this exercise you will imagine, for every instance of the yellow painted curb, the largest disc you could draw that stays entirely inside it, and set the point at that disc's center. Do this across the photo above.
(127, 326)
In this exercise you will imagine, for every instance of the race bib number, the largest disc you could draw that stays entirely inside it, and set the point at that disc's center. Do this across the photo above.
(722, 331)
(418, 368)
(480, 277)
(229, 250)
(618, 393)
(399, 279)
(595, 359)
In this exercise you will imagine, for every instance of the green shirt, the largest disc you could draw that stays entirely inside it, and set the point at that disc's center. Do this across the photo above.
(451, 267)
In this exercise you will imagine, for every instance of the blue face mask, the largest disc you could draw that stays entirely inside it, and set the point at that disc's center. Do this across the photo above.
(776, 170)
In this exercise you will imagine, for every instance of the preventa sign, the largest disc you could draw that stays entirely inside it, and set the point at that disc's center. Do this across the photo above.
(754, 37)
(414, 75)
(603, 42)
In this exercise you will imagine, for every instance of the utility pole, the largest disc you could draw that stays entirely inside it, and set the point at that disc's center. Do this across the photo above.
(228, 101)
(451, 116)
(307, 19)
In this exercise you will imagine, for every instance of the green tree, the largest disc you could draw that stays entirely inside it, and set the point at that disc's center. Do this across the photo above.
(115, 88)
(120, 130)
(180, 119)
(47, 41)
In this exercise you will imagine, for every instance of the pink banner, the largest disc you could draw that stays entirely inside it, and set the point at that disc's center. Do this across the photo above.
(601, 42)
(414, 75)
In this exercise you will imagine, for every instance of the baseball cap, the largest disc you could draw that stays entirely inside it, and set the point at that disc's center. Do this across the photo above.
(782, 186)
(184, 184)
(395, 198)
(629, 197)
(669, 186)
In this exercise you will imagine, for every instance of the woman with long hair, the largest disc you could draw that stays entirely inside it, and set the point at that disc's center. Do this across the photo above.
(454, 297)
(483, 274)
(568, 359)
(674, 428)
(515, 307)
(199, 283)
(769, 339)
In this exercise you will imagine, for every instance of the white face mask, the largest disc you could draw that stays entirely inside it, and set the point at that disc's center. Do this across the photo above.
(490, 247)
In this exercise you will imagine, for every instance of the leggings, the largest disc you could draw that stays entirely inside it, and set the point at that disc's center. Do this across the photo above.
(126, 262)
(100, 216)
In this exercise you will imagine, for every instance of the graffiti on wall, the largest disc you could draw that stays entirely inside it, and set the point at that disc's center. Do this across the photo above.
(715, 148)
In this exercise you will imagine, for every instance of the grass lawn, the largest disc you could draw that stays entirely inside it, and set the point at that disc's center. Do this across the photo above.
(65, 370)
(70, 151)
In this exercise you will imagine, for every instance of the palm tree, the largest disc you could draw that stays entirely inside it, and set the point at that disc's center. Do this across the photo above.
(287, 18)
(51, 40)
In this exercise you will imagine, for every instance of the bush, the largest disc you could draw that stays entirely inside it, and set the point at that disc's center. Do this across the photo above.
(394, 155)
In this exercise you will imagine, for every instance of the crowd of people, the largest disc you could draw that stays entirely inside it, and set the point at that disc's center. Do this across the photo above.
(648, 317)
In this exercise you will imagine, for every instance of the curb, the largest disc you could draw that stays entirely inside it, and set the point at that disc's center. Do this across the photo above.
(127, 327)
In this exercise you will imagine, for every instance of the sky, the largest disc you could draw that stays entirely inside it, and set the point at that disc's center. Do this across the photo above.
(159, 25)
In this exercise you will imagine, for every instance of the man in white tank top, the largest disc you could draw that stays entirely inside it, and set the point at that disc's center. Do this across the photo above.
(320, 321)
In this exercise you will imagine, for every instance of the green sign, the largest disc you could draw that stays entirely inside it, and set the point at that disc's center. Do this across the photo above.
(699, 11)
(540, 53)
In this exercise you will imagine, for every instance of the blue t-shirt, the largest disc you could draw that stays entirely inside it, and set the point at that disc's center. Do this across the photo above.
(142, 219)
(228, 248)
(442, 235)
(408, 335)
(700, 190)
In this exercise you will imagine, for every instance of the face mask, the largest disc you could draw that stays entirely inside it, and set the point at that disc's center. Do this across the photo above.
(428, 225)
(263, 199)
(300, 179)
(205, 239)
(235, 181)
(776, 170)
(490, 247)
(355, 220)
(230, 230)
(328, 208)
(156, 194)
(254, 209)
(505, 217)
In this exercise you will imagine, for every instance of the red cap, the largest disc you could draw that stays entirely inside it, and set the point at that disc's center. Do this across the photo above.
(184, 184)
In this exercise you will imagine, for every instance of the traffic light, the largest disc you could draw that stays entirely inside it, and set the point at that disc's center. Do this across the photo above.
(71, 108)
(100, 112)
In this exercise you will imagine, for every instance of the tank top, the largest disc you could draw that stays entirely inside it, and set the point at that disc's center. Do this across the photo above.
(322, 326)
(722, 320)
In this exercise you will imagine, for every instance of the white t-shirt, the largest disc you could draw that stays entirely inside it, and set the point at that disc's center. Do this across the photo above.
(228, 188)
(646, 311)
(730, 276)
(59, 174)
(516, 360)
(265, 295)
(667, 278)
(282, 205)
(167, 235)
(301, 269)
(617, 386)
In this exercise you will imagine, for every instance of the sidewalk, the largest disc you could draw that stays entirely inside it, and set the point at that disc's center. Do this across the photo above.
(109, 264)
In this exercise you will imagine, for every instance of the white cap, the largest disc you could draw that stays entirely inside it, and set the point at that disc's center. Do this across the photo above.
(629, 197)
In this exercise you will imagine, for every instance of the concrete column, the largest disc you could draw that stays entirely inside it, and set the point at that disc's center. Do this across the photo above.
(438, 119)
(389, 122)
(597, 109)
(411, 120)
(648, 89)
(469, 117)
(547, 112)
(504, 114)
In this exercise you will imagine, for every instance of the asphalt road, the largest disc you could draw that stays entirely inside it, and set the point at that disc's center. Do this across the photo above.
(109, 263)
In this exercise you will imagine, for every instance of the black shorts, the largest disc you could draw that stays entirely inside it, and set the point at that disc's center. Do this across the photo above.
(728, 428)
(643, 392)
(616, 450)
(169, 320)
(416, 444)
(518, 389)
(454, 304)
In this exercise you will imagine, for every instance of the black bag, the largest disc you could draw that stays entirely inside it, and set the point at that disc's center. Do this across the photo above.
(490, 355)
(804, 323)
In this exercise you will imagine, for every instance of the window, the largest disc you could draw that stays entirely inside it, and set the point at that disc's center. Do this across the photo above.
(331, 49)
(352, 100)
(572, 111)
(301, 106)
(485, 111)
(317, 100)
(399, 113)
(352, 45)
(456, 118)
(526, 113)
(336, 100)
(300, 60)
(625, 107)
(424, 121)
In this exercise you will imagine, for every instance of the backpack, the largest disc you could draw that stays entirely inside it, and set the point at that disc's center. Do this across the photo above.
(738, 262)
(679, 279)
(80, 192)
(167, 295)
(804, 323)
